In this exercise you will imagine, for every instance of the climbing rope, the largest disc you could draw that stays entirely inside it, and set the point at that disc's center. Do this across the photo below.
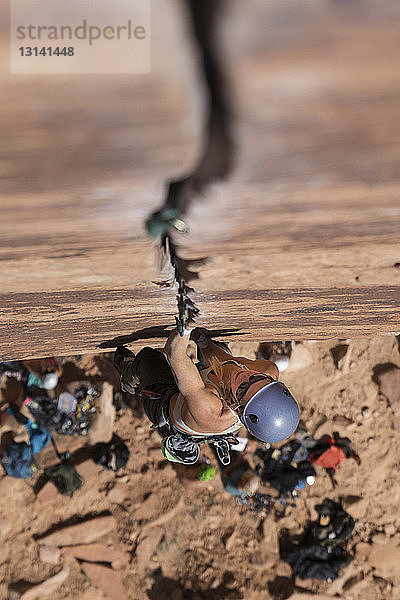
(177, 270)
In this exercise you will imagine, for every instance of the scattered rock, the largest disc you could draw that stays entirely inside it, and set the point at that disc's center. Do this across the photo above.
(147, 547)
(117, 494)
(386, 559)
(388, 379)
(300, 358)
(106, 580)
(97, 553)
(390, 529)
(81, 533)
(166, 516)
(49, 554)
(148, 508)
(102, 426)
(341, 420)
(365, 412)
(349, 573)
(379, 538)
(363, 550)
(231, 541)
(47, 587)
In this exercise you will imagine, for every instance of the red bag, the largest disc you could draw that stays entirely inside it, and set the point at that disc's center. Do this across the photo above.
(331, 458)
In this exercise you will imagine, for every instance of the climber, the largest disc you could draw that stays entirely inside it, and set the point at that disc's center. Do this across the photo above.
(213, 401)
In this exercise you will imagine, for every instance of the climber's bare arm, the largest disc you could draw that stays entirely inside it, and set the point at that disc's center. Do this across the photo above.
(201, 403)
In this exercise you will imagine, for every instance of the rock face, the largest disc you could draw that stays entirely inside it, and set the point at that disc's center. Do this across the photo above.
(106, 579)
(81, 533)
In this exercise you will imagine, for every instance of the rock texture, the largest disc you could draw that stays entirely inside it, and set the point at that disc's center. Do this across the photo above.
(302, 241)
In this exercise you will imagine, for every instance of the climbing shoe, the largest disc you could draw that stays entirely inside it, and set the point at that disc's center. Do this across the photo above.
(180, 449)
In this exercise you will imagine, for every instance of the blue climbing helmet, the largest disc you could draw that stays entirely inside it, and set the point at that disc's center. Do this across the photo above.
(272, 414)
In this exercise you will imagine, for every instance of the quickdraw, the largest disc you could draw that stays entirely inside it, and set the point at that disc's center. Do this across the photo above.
(175, 269)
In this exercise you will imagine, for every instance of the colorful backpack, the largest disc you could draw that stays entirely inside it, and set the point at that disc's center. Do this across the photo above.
(18, 460)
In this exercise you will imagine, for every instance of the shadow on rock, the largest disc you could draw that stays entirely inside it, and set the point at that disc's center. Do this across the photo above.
(281, 588)
(156, 332)
(170, 589)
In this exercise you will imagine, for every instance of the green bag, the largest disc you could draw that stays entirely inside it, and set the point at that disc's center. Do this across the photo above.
(65, 477)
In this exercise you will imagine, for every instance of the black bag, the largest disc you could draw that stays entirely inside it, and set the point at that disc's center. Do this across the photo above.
(317, 562)
(113, 455)
(46, 413)
(281, 476)
(340, 526)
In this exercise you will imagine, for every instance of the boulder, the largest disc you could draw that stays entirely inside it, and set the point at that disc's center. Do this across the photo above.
(300, 359)
(385, 558)
(388, 379)
(47, 587)
(363, 550)
(117, 494)
(81, 533)
(147, 546)
(149, 508)
(101, 429)
(49, 554)
(97, 553)
(107, 580)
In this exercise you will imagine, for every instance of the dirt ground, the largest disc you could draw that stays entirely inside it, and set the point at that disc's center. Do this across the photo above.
(193, 541)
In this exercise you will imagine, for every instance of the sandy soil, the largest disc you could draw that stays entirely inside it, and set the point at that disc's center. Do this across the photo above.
(193, 541)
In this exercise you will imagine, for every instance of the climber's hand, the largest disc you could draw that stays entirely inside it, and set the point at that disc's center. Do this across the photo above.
(201, 337)
(176, 344)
